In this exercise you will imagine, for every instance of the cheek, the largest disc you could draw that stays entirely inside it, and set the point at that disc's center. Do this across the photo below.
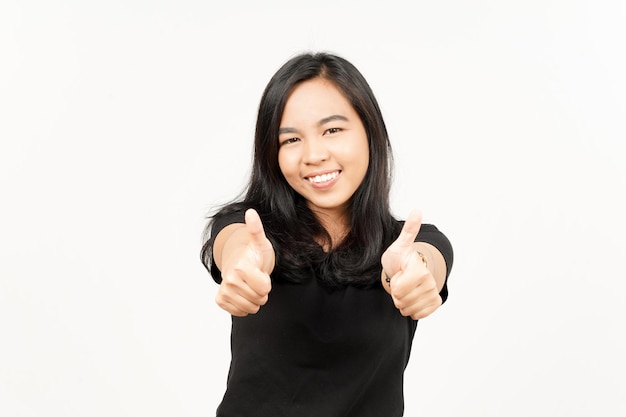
(363, 168)
(357, 152)
(362, 160)
(366, 159)
(286, 163)
(365, 150)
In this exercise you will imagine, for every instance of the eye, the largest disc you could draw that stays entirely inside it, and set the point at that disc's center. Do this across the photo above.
(289, 141)
(332, 130)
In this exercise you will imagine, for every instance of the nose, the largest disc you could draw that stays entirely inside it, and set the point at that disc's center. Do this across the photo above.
(315, 151)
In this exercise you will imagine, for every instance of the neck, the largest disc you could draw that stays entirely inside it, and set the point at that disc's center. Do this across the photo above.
(337, 226)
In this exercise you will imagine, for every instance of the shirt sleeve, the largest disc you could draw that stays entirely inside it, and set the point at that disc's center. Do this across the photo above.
(430, 234)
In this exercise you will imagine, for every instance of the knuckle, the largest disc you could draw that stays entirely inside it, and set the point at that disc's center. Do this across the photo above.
(224, 305)
(405, 312)
(228, 278)
(427, 284)
(220, 298)
(439, 301)
(239, 270)
(420, 314)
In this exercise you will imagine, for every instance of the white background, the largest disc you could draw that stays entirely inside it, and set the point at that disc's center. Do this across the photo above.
(123, 122)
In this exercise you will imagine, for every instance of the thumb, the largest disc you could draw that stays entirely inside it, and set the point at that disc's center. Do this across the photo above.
(255, 228)
(259, 243)
(397, 255)
(410, 229)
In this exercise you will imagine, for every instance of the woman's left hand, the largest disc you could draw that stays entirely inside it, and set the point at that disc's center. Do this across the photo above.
(412, 286)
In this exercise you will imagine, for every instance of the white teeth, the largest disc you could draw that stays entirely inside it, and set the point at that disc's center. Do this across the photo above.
(323, 178)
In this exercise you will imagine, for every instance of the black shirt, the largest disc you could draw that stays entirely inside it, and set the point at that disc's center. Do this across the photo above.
(315, 351)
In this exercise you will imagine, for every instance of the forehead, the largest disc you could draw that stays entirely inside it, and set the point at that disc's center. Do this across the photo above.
(316, 99)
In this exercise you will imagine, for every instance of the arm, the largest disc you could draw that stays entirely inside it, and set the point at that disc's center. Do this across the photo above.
(245, 258)
(435, 261)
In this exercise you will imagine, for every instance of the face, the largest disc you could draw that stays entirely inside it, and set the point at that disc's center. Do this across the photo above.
(323, 149)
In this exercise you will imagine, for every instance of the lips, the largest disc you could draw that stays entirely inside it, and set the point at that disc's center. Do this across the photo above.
(322, 178)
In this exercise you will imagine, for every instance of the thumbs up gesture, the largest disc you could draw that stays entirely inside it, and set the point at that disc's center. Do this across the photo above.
(246, 258)
(406, 276)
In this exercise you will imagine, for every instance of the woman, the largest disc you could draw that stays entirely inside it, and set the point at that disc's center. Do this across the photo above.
(324, 285)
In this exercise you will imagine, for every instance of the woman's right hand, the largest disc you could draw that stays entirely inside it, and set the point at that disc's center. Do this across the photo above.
(246, 258)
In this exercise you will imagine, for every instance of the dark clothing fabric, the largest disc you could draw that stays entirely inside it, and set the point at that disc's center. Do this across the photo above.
(315, 351)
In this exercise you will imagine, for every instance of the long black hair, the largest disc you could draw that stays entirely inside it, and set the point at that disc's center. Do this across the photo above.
(289, 224)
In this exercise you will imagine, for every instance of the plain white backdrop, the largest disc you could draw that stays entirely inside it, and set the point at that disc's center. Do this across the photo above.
(123, 122)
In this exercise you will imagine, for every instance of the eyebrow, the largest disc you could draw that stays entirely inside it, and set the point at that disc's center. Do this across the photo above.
(320, 123)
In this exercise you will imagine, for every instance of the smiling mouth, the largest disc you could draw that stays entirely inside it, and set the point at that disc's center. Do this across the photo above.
(319, 179)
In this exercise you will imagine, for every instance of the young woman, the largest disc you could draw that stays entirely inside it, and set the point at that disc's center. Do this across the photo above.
(324, 285)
